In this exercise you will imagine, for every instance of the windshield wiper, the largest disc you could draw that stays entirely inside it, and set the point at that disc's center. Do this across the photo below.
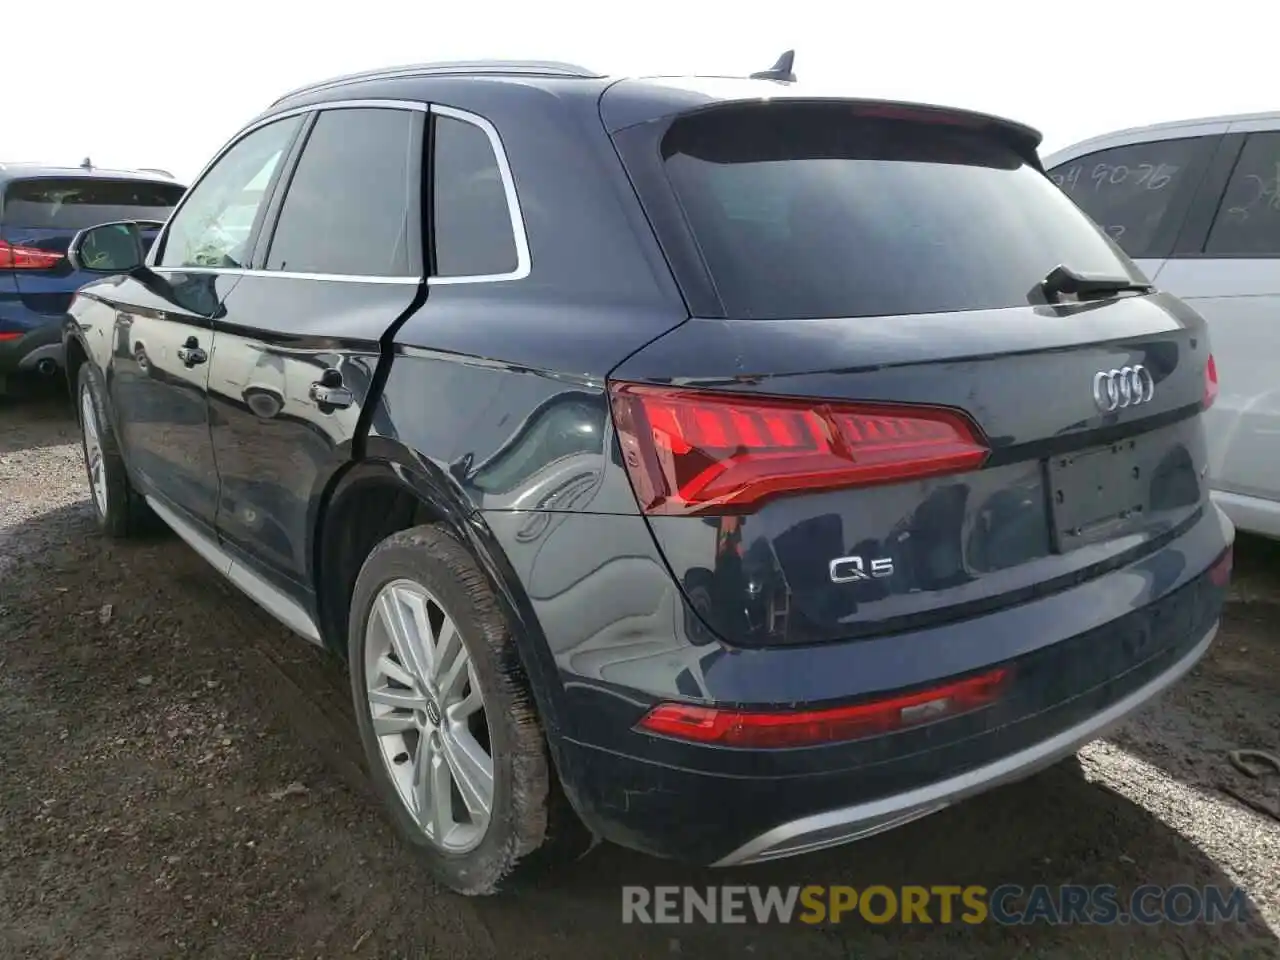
(1062, 280)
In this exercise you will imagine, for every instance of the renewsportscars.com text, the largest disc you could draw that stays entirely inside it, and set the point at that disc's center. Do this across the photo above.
(1007, 904)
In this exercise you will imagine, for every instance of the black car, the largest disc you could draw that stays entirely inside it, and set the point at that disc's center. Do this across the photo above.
(730, 468)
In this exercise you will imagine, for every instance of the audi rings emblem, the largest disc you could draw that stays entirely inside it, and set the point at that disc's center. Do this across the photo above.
(1126, 387)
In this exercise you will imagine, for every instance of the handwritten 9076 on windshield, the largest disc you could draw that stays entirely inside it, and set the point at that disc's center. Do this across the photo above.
(1144, 176)
(1125, 183)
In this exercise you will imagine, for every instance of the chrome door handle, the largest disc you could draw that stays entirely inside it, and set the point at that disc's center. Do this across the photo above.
(337, 397)
(329, 393)
(190, 353)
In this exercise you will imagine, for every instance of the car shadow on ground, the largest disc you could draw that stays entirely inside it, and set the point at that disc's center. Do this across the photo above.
(150, 715)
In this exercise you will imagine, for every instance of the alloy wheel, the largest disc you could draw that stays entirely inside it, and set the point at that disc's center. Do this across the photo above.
(93, 451)
(429, 716)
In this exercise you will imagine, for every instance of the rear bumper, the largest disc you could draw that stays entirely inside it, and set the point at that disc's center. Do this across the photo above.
(847, 824)
(34, 350)
(1083, 660)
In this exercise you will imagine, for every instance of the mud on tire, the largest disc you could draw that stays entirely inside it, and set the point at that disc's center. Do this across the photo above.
(521, 784)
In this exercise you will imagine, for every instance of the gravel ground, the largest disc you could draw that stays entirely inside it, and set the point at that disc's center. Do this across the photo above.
(180, 777)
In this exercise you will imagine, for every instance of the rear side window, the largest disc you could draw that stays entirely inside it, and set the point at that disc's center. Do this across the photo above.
(813, 211)
(473, 226)
(1248, 221)
(351, 204)
(73, 203)
(1130, 191)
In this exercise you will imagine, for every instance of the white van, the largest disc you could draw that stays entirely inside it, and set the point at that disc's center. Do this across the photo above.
(1197, 204)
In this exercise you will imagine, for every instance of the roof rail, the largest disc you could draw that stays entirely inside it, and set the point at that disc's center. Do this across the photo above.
(541, 68)
(163, 173)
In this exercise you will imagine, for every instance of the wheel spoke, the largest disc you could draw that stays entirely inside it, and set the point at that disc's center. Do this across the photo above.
(393, 723)
(452, 662)
(470, 704)
(393, 671)
(472, 771)
(398, 632)
(441, 797)
(400, 699)
(422, 759)
(419, 627)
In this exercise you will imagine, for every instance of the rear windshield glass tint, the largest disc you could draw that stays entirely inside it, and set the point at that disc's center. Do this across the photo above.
(75, 203)
(813, 211)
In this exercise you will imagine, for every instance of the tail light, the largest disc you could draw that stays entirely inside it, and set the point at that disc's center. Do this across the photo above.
(693, 451)
(26, 258)
(1210, 383)
(9, 336)
(737, 728)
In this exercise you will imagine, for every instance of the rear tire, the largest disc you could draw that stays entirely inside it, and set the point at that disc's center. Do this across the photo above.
(444, 710)
(118, 510)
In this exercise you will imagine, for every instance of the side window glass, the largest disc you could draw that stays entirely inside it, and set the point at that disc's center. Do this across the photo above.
(473, 226)
(1129, 190)
(1248, 221)
(350, 206)
(212, 227)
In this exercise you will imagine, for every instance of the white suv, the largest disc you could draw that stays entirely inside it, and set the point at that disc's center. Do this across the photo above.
(1197, 204)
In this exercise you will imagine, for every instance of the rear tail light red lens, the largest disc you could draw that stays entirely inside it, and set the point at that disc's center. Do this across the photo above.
(26, 258)
(694, 451)
(737, 728)
(9, 336)
(1210, 382)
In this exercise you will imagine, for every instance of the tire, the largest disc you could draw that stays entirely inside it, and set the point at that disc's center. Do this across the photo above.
(423, 575)
(118, 510)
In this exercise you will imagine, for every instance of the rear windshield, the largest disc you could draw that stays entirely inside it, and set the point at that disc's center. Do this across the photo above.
(73, 203)
(805, 210)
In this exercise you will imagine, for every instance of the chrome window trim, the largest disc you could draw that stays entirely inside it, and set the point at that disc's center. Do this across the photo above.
(523, 265)
(289, 275)
(523, 259)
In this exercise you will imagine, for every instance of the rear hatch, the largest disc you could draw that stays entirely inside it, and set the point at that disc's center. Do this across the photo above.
(885, 418)
(40, 216)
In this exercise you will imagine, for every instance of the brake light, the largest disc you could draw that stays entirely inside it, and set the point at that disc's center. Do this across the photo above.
(738, 728)
(696, 451)
(26, 258)
(1210, 383)
(9, 336)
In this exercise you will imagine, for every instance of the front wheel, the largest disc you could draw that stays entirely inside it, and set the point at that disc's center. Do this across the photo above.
(451, 735)
(117, 508)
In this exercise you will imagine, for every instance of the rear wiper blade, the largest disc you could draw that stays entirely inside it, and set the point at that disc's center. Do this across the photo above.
(1063, 280)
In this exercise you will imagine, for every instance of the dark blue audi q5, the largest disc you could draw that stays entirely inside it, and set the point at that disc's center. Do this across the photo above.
(726, 467)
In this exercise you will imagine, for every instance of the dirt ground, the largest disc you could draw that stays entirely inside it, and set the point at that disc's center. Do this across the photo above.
(181, 777)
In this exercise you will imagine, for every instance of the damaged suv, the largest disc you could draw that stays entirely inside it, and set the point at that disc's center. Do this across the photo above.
(730, 468)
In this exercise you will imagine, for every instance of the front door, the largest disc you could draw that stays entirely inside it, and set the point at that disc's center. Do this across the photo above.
(163, 336)
(297, 344)
(157, 379)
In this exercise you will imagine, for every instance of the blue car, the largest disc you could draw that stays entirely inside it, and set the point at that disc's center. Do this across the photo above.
(41, 210)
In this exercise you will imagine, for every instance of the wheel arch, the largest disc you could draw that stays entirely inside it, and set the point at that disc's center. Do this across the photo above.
(391, 489)
(75, 355)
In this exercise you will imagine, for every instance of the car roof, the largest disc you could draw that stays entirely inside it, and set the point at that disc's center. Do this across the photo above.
(25, 170)
(1191, 126)
(621, 101)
